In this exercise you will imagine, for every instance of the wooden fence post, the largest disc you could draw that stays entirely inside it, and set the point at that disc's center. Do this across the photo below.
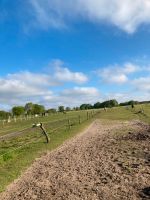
(44, 132)
(79, 119)
(69, 124)
(87, 115)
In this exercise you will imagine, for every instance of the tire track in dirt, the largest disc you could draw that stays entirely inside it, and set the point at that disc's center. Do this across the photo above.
(82, 168)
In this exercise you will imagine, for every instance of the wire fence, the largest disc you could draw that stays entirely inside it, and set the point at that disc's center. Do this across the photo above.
(14, 141)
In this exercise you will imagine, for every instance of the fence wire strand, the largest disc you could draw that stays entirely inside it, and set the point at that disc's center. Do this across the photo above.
(49, 133)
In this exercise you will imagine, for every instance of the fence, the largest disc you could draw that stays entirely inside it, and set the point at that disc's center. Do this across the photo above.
(13, 141)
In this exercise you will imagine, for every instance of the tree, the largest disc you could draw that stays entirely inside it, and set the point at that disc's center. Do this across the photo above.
(18, 110)
(76, 108)
(68, 108)
(109, 103)
(61, 109)
(38, 109)
(129, 103)
(97, 105)
(51, 110)
(4, 114)
(132, 102)
(29, 108)
(113, 103)
(86, 106)
(83, 107)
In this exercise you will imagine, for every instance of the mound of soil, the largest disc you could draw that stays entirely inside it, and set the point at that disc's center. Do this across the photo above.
(145, 193)
(142, 135)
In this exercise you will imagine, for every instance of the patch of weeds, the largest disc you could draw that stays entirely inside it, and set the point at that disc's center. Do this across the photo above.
(7, 156)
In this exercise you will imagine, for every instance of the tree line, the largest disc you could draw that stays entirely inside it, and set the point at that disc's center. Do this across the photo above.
(37, 109)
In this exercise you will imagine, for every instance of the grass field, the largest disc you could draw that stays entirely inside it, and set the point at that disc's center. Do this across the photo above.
(123, 113)
(17, 153)
(21, 124)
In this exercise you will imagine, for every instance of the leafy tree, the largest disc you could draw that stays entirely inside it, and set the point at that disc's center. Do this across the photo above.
(61, 109)
(68, 108)
(83, 107)
(4, 114)
(18, 110)
(129, 103)
(86, 106)
(132, 102)
(97, 105)
(109, 103)
(51, 110)
(29, 108)
(76, 108)
(38, 109)
(113, 103)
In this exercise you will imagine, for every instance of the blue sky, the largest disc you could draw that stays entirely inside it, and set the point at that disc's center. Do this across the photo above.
(69, 52)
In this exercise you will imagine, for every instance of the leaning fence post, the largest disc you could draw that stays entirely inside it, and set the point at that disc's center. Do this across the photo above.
(43, 131)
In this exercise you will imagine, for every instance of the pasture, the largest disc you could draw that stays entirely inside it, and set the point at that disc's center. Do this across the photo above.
(20, 144)
(18, 151)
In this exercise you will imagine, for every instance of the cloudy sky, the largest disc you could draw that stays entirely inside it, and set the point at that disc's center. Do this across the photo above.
(57, 52)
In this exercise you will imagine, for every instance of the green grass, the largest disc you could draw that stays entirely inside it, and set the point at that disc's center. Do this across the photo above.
(16, 154)
(118, 113)
(122, 113)
(21, 124)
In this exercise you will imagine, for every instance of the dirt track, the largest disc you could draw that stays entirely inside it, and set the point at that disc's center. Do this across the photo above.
(95, 165)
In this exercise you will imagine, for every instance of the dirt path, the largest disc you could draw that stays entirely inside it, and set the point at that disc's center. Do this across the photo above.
(90, 166)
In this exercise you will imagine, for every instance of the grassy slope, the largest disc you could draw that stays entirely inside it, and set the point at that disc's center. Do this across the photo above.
(12, 164)
(121, 113)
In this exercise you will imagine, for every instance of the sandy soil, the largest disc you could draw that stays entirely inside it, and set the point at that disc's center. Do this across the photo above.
(102, 163)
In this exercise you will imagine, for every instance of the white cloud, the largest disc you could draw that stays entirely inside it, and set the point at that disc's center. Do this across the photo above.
(38, 79)
(74, 96)
(127, 15)
(21, 87)
(50, 89)
(142, 84)
(81, 91)
(79, 95)
(26, 86)
(130, 68)
(130, 95)
(63, 74)
(117, 74)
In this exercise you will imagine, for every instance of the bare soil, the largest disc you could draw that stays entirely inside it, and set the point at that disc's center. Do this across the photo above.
(106, 162)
